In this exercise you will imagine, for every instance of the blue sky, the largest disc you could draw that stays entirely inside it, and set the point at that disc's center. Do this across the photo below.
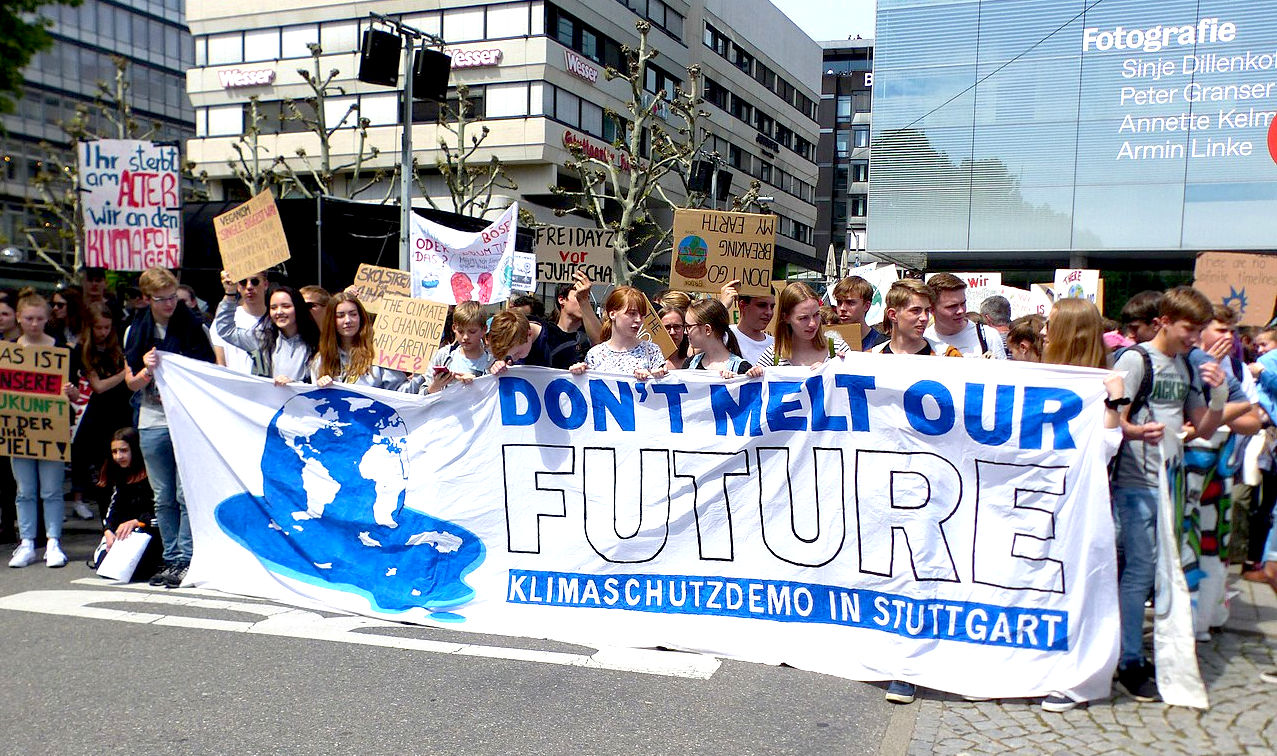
(831, 19)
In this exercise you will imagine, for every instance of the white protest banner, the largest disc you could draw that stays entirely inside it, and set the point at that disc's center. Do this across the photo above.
(132, 204)
(973, 280)
(563, 250)
(1022, 302)
(452, 266)
(881, 278)
(861, 520)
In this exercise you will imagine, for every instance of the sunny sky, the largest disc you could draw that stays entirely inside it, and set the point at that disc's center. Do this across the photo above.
(831, 19)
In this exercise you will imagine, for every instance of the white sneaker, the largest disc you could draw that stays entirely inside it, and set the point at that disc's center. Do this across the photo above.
(53, 556)
(23, 555)
(82, 511)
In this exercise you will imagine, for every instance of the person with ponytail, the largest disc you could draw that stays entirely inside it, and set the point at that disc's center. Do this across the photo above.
(709, 332)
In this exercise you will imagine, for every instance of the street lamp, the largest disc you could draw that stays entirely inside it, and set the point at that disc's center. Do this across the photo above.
(374, 69)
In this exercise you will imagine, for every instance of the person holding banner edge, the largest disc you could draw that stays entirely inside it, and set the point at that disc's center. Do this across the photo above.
(800, 335)
(709, 332)
(622, 351)
(346, 353)
(165, 325)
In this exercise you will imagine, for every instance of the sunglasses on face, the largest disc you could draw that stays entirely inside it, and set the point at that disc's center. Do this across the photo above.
(57, 305)
(250, 282)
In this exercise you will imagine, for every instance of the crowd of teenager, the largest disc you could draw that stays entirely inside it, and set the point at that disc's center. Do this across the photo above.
(1178, 367)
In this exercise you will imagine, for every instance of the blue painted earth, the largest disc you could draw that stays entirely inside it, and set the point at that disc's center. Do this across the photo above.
(332, 511)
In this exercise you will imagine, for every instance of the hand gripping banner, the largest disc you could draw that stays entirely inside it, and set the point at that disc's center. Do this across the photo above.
(941, 522)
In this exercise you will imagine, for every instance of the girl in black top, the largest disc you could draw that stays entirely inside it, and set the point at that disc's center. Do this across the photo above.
(131, 508)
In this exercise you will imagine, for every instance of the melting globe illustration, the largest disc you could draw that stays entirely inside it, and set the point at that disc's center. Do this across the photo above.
(332, 511)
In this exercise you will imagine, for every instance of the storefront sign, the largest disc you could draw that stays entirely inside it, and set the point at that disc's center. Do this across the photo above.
(235, 78)
(571, 139)
(475, 58)
(580, 67)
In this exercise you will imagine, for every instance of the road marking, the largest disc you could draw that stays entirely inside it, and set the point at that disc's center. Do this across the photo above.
(291, 622)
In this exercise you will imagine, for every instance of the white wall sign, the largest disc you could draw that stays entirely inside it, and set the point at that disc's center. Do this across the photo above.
(236, 78)
(580, 67)
(475, 58)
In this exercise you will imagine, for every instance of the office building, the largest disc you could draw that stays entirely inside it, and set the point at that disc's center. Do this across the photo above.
(846, 92)
(536, 74)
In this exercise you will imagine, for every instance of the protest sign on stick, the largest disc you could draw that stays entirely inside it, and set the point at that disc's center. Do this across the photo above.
(251, 237)
(132, 204)
(563, 250)
(452, 266)
(712, 248)
(35, 416)
(407, 333)
(1245, 282)
(375, 283)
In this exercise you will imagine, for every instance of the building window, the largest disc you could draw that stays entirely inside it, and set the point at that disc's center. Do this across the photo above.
(294, 40)
(429, 111)
(507, 100)
(463, 25)
(715, 94)
(225, 48)
(716, 41)
(262, 44)
(860, 171)
(843, 108)
(860, 136)
(842, 143)
(861, 101)
(840, 180)
(506, 21)
(858, 205)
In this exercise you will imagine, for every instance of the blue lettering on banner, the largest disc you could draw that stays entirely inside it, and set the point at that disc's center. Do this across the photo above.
(814, 404)
(789, 601)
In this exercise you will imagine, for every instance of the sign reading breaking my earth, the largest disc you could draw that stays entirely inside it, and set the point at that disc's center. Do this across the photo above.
(712, 248)
(407, 332)
(35, 416)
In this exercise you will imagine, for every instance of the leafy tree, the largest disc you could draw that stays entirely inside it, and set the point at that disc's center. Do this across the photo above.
(623, 194)
(23, 33)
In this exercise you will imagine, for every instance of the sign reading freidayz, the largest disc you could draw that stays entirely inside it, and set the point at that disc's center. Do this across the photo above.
(251, 237)
(1245, 282)
(563, 250)
(408, 332)
(35, 416)
(871, 519)
(712, 248)
(375, 282)
(132, 204)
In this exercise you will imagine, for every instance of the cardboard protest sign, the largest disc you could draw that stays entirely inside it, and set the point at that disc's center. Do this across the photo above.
(712, 248)
(407, 332)
(563, 250)
(35, 416)
(653, 330)
(251, 237)
(132, 204)
(1077, 283)
(853, 334)
(1245, 282)
(452, 266)
(375, 282)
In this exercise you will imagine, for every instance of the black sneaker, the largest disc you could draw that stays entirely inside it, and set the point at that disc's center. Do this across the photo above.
(177, 575)
(1140, 681)
(161, 577)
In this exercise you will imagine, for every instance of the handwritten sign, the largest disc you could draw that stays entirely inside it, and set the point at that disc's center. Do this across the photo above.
(407, 332)
(251, 237)
(1077, 283)
(375, 283)
(974, 279)
(563, 250)
(523, 274)
(452, 266)
(132, 204)
(1023, 302)
(1245, 282)
(712, 248)
(653, 330)
(35, 416)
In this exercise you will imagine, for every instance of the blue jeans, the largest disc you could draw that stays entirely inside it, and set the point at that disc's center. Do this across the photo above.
(42, 478)
(1270, 547)
(166, 484)
(1136, 510)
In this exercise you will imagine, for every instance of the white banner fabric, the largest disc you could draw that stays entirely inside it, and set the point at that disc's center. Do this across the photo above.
(859, 520)
(452, 266)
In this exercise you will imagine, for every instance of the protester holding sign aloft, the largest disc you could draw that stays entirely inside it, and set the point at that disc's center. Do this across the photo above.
(346, 353)
(755, 313)
(39, 479)
(622, 351)
(708, 330)
(281, 344)
(800, 336)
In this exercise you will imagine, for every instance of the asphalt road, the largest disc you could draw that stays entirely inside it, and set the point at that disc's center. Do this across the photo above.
(139, 682)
